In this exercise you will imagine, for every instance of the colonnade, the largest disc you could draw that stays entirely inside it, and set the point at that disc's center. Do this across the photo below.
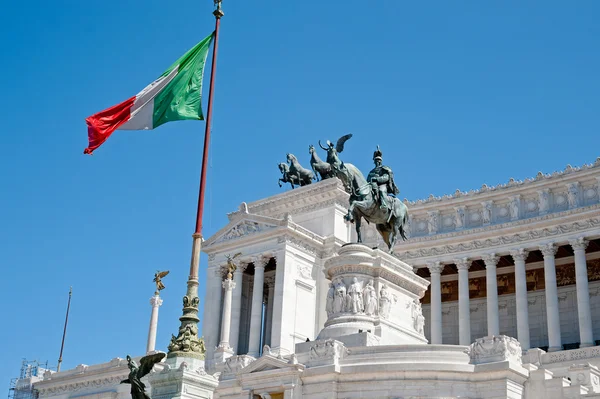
(232, 307)
(518, 255)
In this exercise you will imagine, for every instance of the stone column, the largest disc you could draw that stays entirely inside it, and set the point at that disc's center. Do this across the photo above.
(586, 336)
(519, 257)
(435, 268)
(554, 340)
(270, 283)
(464, 312)
(236, 307)
(155, 301)
(212, 310)
(257, 307)
(493, 319)
(224, 351)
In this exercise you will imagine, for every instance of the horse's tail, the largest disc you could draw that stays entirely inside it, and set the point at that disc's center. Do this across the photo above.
(404, 223)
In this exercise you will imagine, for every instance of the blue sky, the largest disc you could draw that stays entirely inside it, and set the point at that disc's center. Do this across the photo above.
(456, 93)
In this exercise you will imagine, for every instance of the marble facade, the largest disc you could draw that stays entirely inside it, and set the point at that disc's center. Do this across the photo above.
(496, 294)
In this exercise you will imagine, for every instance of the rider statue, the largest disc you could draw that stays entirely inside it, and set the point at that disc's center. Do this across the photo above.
(382, 179)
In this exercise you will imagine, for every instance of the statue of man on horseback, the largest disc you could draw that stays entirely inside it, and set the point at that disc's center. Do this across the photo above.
(382, 179)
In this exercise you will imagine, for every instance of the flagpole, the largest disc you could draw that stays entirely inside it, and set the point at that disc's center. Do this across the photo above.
(62, 345)
(189, 319)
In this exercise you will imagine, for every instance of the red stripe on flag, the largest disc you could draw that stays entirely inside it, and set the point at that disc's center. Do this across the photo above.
(104, 123)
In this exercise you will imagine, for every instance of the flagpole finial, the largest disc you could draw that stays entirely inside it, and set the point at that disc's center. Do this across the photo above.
(218, 13)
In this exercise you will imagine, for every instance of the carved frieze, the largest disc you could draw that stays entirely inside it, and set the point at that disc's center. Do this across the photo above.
(244, 228)
(236, 363)
(92, 384)
(498, 241)
(495, 349)
(511, 183)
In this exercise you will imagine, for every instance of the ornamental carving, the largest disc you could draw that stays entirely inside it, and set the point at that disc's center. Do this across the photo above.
(459, 217)
(497, 241)
(246, 227)
(486, 214)
(84, 385)
(573, 195)
(236, 363)
(300, 244)
(432, 222)
(511, 183)
(495, 349)
(386, 301)
(513, 206)
(353, 299)
(327, 350)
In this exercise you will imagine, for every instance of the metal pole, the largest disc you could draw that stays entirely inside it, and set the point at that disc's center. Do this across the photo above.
(189, 319)
(62, 345)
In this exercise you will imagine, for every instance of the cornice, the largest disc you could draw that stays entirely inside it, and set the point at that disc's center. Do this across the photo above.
(500, 229)
(285, 231)
(318, 195)
(517, 239)
(510, 188)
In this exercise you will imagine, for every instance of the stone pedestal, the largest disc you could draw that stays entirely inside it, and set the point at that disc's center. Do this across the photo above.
(373, 292)
(182, 378)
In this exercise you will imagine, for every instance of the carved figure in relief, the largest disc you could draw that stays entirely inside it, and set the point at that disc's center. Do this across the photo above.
(138, 389)
(514, 208)
(370, 299)
(385, 302)
(330, 299)
(460, 217)
(572, 194)
(543, 201)
(487, 212)
(355, 299)
(339, 301)
(432, 222)
(418, 319)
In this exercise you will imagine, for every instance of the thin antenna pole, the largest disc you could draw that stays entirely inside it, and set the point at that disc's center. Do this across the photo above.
(62, 345)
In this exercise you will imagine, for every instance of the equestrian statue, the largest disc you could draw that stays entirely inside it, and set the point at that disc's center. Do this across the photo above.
(373, 198)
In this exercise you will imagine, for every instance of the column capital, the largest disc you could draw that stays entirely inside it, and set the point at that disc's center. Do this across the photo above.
(156, 301)
(463, 263)
(579, 243)
(548, 250)
(519, 255)
(435, 267)
(491, 260)
(228, 284)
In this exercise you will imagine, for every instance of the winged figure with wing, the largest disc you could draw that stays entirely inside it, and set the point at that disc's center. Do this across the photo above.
(158, 279)
(138, 388)
(333, 151)
(231, 266)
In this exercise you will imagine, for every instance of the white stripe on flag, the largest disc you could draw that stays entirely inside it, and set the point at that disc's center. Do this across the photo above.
(142, 111)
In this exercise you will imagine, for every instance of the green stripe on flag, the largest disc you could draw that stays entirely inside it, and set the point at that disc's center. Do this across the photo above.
(181, 98)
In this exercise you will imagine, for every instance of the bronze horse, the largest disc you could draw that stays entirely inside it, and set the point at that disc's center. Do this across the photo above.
(390, 223)
(304, 175)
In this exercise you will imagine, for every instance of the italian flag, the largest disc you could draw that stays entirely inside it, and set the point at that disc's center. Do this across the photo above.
(174, 96)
